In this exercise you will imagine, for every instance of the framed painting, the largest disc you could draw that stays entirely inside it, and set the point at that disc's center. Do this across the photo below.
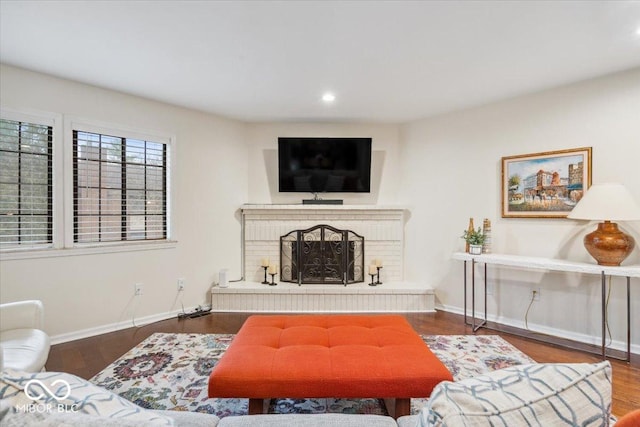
(544, 185)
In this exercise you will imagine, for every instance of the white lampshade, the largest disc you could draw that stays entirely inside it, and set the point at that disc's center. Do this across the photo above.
(606, 202)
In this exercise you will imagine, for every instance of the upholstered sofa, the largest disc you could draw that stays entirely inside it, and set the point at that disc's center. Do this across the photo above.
(528, 395)
(24, 346)
(532, 395)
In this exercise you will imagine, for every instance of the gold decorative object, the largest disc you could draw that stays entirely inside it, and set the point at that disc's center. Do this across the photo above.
(607, 202)
(486, 230)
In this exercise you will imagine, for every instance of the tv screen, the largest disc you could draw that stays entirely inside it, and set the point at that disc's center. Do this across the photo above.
(324, 165)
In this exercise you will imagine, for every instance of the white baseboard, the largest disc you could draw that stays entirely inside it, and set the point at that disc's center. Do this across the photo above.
(543, 329)
(112, 327)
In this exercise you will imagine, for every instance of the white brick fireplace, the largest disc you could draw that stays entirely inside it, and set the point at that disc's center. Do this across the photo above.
(382, 228)
(383, 231)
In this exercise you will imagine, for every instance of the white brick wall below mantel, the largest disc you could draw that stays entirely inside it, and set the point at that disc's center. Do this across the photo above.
(381, 226)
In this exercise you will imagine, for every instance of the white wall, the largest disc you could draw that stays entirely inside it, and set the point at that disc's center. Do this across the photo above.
(446, 169)
(263, 160)
(96, 291)
(452, 169)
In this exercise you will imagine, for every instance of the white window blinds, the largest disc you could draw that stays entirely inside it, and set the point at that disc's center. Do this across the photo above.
(119, 188)
(26, 184)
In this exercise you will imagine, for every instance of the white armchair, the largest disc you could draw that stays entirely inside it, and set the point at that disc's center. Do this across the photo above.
(24, 346)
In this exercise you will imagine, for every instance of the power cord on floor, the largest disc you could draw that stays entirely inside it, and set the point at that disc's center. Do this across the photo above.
(198, 312)
(181, 293)
(133, 311)
(526, 315)
(606, 320)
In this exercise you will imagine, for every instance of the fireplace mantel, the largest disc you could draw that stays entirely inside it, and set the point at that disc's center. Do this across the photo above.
(275, 207)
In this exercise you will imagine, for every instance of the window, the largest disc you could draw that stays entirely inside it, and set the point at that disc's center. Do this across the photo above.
(26, 184)
(82, 186)
(119, 188)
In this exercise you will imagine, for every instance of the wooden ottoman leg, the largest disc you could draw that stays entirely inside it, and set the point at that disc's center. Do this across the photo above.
(398, 407)
(257, 406)
(403, 407)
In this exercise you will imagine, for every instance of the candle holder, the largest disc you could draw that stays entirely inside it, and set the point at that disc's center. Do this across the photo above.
(378, 282)
(273, 283)
(265, 282)
(372, 282)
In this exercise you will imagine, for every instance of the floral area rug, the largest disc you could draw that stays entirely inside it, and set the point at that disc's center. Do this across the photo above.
(171, 371)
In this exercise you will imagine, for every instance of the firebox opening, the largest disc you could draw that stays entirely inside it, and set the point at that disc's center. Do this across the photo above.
(322, 255)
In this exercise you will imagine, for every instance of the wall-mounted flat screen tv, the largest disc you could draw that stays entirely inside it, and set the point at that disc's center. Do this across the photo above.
(324, 165)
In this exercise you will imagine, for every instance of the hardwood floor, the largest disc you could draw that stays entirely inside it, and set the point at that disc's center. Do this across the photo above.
(89, 356)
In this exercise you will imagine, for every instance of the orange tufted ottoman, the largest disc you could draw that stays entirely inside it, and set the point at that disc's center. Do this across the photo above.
(315, 356)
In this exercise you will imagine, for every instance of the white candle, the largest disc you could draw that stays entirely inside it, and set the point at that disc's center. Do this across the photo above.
(378, 262)
(273, 268)
(373, 269)
(264, 262)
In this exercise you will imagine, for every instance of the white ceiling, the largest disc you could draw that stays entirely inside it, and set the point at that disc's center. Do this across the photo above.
(386, 61)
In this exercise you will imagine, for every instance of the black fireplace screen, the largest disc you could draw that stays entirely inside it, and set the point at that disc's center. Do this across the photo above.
(322, 255)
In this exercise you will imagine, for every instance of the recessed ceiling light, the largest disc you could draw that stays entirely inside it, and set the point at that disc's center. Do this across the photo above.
(328, 97)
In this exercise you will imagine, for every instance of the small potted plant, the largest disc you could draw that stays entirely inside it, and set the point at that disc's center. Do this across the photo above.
(475, 239)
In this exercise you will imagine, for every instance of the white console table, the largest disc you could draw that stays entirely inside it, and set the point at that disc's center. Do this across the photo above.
(549, 264)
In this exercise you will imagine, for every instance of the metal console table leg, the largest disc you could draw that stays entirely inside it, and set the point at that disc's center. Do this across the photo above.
(604, 316)
(466, 322)
(473, 324)
(604, 320)
(628, 319)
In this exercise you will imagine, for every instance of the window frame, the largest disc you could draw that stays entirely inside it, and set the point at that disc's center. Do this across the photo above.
(125, 212)
(84, 125)
(25, 180)
(54, 121)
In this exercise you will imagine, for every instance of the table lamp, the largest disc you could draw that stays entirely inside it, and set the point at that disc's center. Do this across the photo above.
(607, 202)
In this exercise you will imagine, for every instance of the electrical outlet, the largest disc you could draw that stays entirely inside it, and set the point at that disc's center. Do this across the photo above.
(181, 284)
(137, 289)
(535, 294)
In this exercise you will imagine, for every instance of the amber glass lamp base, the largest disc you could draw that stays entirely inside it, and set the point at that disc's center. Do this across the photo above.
(608, 245)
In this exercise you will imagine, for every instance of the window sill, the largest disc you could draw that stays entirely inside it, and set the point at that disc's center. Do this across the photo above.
(86, 250)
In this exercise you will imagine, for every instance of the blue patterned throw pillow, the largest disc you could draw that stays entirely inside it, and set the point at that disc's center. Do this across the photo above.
(61, 395)
(577, 394)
